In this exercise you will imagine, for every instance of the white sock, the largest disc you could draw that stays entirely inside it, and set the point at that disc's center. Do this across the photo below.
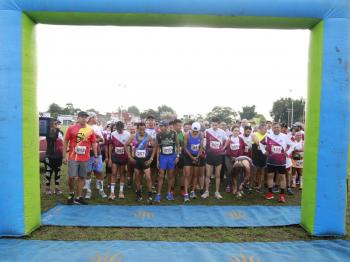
(112, 187)
(100, 184)
(121, 188)
(88, 184)
(301, 181)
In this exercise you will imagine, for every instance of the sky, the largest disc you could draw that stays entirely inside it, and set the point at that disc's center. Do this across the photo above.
(189, 69)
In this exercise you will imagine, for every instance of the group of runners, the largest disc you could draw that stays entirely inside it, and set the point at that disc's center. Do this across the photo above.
(268, 157)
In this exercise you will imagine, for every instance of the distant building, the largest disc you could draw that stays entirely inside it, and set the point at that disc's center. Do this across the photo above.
(67, 120)
(125, 117)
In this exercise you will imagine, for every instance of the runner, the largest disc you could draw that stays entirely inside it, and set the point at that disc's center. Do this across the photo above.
(141, 157)
(118, 158)
(215, 148)
(130, 167)
(97, 169)
(234, 148)
(285, 130)
(258, 157)
(247, 152)
(298, 160)
(275, 147)
(53, 158)
(179, 172)
(193, 148)
(104, 151)
(244, 123)
(151, 130)
(187, 127)
(167, 156)
(80, 137)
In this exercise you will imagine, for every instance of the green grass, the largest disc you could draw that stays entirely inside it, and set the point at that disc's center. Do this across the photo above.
(289, 233)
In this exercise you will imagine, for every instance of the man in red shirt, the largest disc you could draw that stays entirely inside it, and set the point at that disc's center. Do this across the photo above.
(79, 137)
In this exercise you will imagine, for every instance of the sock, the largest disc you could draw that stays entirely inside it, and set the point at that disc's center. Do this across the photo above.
(100, 184)
(88, 183)
(270, 189)
(57, 177)
(294, 178)
(301, 181)
(112, 187)
(121, 188)
(282, 191)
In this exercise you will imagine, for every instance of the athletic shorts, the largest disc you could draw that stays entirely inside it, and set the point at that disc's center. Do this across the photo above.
(180, 164)
(96, 168)
(213, 160)
(119, 161)
(140, 163)
(167, 162)
(278, 169)
(77, 168)
(53, 162)
(189, 162)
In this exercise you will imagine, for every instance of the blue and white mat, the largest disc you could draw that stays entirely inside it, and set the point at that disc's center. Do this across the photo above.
(123, 251)
(171, 216)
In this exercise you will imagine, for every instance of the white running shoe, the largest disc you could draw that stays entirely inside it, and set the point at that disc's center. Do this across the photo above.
(102, 194)
(111, 196)
(218, 196)
(121, 195)
(205, 195)
(88, 194)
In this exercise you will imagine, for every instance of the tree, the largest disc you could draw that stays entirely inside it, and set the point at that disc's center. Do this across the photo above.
(134, 110)
(248, 112)
(225, 114)
(55, 110)
(167, 109)
(149, 112)
(259, 118)
(282, 110)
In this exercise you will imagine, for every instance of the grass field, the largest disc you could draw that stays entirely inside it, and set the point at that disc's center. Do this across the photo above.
(172, 234)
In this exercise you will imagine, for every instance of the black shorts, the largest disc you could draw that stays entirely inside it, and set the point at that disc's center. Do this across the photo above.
(118, 161)
(278, 169)
(180, 164)
(189, 162)
(53, 162)
(140, 163)
(213, 160)
(259, 163)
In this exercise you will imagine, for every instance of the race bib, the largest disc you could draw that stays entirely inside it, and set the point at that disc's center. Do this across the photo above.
(299, 163)
(119, 150)
(246, 149)
(80, 150)
(140, 153)
(234, 147)
(215, 145)
(276, 149)
(195, 147)
(167, 150)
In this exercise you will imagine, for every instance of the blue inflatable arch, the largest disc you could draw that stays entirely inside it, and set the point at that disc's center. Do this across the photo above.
(327, 128)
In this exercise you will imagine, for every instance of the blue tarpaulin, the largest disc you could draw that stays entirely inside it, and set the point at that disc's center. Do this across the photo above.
(171, 216)
(93, 251)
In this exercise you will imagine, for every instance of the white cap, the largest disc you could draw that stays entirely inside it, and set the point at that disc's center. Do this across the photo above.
(196, 126)
(91, 115)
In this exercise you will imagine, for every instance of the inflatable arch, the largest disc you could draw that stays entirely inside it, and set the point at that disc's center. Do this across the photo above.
(327, 128)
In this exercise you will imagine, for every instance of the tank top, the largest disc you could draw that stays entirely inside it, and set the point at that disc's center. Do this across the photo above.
(141, 146)
(193, 144)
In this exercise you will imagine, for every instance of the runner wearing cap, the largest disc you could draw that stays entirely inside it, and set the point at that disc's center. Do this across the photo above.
(141, 157)
(53, 158)
(168, 156)
(118, 158)
(215, 148)
(97, 169)
(79, 137)
(193, 147)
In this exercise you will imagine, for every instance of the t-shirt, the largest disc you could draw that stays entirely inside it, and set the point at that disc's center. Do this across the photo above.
(276, 146)
(235, 147)
(98, 134)
(118, 141)
(80, 140)
(167, 142)
(215, 141)
(247, 145)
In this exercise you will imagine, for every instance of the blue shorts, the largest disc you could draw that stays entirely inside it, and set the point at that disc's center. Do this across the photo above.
(96, 168)
(167, 162)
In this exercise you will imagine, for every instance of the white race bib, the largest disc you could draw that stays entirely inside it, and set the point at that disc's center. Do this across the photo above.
(234, 147)
(215, 145)
(276, 149)
(119, 150)
(80, 150)
(299, 163)
(167, 150)
(246, 149)
(195, 147)
(140, 153)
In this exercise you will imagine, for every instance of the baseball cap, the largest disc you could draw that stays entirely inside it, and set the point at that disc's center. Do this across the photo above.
(83, 114)
(196, 126)
(163, 123)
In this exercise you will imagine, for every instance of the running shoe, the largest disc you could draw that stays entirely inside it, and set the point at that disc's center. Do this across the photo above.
(154, 191)
(158, 198)
(70, 199)
(80, 201)
(186, 198)
(218, 196)
(121, 195)
(193, 195)
(111, 196)
(290, 191)
(58, 191)
(282, 198)
(205, 195)
(88, 194)
(102, 193)
(275, 189)
(170, 196)
(269, 195)
(48, 191)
